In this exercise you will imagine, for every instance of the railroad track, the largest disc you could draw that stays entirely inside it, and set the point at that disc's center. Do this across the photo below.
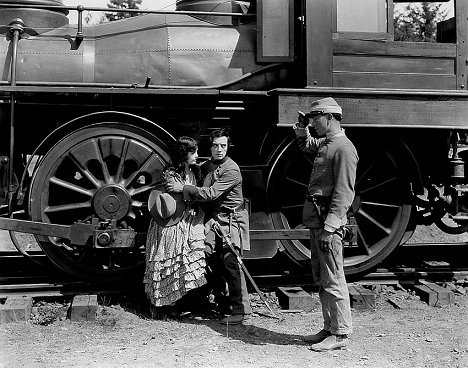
(410, 264)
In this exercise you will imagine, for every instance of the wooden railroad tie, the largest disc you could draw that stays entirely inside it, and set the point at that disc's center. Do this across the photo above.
(83, 308)
(433, 294)
(360, 297)
(16, 309)
(294, 298)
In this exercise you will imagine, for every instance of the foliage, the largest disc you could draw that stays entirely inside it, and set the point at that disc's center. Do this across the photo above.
(418, 23)
(121, 4)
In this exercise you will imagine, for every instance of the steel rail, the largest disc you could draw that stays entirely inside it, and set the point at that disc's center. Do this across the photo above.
(46, 286)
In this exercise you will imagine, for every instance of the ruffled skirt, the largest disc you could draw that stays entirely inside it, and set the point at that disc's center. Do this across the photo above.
(175, 259)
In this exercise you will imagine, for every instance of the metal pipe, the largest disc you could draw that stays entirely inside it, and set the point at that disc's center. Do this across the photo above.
(118, 10)
(16, 28)
(79, 34)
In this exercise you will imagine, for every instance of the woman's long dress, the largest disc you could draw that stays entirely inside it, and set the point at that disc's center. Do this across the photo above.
(175, 258)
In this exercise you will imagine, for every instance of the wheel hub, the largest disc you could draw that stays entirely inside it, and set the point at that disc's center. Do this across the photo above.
(111, 202)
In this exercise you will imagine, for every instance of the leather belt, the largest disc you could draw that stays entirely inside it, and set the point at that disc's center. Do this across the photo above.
(224, 209)
(320, 200)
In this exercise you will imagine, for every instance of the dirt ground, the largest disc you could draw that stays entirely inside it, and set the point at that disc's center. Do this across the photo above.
(126, 334)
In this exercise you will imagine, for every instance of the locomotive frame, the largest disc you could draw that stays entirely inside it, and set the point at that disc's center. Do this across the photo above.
(99, 134)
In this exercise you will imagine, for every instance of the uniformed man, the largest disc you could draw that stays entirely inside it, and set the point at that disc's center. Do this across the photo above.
(223, 201)
(330, 193)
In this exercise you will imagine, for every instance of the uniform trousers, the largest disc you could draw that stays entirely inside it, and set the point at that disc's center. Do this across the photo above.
(333, 293)
(223, 261)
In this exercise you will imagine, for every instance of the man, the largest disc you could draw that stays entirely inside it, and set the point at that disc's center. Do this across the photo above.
(329, 195)
(224, 202)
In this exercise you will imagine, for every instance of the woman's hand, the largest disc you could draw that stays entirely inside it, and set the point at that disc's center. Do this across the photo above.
(174, 186)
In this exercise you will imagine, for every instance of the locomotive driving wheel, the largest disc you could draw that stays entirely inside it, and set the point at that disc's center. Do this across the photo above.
(381, 208)
(102, 173)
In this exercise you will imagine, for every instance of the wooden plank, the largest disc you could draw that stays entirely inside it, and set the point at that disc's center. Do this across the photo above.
(361, 298)
(390, 64)
(294, 298)
(394, 80)
(16, 309)
(434, 295)
(84, 308)
(319, 15)
(370, 108)
(395, 48)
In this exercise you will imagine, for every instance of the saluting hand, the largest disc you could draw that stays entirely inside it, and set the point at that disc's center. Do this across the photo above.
(326, 241)
(302, 120)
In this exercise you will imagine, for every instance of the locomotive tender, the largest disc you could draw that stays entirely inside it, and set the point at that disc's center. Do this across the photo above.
(88, 114)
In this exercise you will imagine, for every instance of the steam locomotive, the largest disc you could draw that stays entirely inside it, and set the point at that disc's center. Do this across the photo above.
(88, 115)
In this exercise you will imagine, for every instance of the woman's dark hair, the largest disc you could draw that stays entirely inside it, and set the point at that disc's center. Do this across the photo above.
(182, 147)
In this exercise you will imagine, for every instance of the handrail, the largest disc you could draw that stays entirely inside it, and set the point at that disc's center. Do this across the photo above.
(118, 10)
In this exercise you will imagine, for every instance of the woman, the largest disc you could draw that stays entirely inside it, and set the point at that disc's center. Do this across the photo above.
(175, 259)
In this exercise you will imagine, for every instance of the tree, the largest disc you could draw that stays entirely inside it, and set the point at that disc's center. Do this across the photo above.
(418, 23)
(122, 4)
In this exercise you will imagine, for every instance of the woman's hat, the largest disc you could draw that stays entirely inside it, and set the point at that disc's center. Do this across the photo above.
(167, 209)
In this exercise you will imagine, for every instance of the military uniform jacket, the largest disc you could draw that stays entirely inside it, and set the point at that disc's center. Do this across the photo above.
(222, 196)
(333, 177)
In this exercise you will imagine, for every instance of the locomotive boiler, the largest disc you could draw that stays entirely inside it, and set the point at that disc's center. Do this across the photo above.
(88, 115)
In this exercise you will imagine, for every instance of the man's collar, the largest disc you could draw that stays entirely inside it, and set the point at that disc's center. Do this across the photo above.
(219, 162)
(332, 135)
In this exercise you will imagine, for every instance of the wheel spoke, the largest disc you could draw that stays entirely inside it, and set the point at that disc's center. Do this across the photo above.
(71, 186)
(296, 182)
(309, 160)
(97, 184)
(149, 162)
(362, 191)
(104, 168)
(137, 191)
(67, 207)
(364, 174)
(123, 155)
(374, 221)
(380, 204)
(363, 244)
(293, 206)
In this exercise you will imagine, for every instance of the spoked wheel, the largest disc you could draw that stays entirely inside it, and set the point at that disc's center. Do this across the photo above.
(102, 173)
(381, 208)
(431, 209)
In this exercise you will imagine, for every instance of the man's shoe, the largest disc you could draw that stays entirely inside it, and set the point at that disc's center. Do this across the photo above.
(318, 337)
(235, 319)
(332, 342)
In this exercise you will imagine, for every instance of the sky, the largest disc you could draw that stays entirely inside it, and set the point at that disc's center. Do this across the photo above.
(145, 4)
